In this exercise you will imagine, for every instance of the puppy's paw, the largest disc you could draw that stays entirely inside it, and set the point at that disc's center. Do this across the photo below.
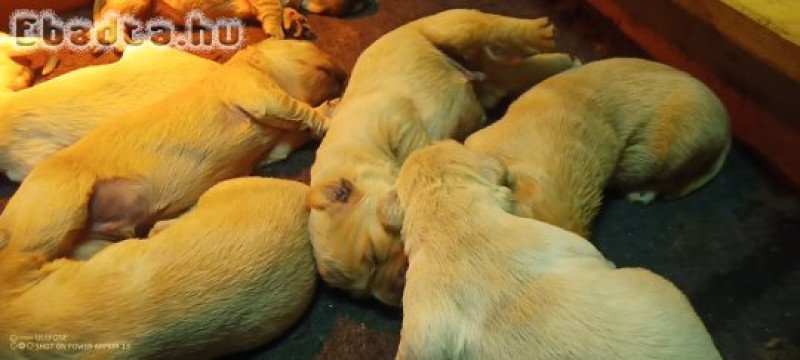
(328, 107)
(295, 25)
(541, 37)
(641, 197)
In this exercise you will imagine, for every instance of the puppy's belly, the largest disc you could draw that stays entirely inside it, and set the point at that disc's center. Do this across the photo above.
(187, 172)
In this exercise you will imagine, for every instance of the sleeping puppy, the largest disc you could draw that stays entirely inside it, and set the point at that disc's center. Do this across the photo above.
(485, 284)
(153, 163)
(275, 15)
(641, 127)
(406, 90)
(232, 274)
(38, 121)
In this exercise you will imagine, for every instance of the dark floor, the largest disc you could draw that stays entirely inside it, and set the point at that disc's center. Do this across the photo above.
(732, 247)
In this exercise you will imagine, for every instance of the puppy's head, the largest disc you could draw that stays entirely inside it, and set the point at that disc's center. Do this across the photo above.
(449, 172)
(13, 76)
(302, 69)
(354, 251)
(334, 7)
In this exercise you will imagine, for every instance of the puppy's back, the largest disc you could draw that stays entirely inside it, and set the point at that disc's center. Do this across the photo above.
(45, 118)
(233, 273)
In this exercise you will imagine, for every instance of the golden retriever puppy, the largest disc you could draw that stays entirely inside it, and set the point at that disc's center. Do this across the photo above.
(275, 15)
(641, 127)
(153, 163)
(485, 284)
(38, 121)
(232, 274)
(409, 88)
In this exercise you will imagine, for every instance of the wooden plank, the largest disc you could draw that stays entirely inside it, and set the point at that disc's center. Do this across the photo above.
(780, 16)
(776, 42)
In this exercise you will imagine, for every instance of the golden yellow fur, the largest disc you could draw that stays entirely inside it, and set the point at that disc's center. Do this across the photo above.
(233, 273)
(155, 162)
(38, 121)
(428, 80)
(645, 128)
(485, 284)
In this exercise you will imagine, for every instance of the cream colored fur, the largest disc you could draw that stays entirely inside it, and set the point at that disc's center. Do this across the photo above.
(640, 126)
(485, 284)
(407, 89)
(230, 275)
(37, 122)
(155, 162)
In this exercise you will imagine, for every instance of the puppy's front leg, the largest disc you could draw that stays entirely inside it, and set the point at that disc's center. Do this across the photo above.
(270, 13)
(271, 106)
(506, 39)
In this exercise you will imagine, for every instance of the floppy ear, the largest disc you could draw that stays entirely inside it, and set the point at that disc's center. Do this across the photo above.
(390, 213)
(321, 197)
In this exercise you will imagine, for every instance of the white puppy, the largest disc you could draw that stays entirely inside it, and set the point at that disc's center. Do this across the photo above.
(407, 89)
(232, 274)
(486, 284)
(641, 127)
(38, 121)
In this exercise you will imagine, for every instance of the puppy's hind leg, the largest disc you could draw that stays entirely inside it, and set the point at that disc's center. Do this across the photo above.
(696, 182)
(468, 34)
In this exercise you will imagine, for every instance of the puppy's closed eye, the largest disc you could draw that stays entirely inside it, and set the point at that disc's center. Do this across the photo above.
(321, 197)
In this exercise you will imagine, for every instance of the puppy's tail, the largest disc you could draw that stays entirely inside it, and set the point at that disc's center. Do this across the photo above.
(468, 35)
